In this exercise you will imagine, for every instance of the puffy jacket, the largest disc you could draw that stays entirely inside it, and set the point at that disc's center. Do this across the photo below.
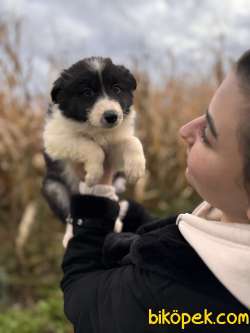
(148, 280)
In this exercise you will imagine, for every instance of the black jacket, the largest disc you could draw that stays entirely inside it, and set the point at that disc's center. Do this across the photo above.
(111, 281)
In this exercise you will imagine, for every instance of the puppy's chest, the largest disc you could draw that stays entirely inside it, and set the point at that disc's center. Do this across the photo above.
(104, 140)
(108, 138)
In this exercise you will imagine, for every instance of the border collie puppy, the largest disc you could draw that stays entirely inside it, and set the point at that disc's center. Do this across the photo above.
(91, 116)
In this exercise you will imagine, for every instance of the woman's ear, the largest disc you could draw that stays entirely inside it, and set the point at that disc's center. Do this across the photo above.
(57, 87)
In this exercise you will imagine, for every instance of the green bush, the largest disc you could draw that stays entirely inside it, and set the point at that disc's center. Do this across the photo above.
(46, 316)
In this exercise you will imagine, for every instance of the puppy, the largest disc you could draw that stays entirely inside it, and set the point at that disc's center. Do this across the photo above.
(91, 116)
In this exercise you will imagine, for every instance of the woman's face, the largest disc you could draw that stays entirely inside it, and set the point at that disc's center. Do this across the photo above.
(214, 161)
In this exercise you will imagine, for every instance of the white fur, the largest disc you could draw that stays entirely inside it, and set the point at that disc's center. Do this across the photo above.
(124, 205)
(103, 104)
(118, 225)
(102, 190)
(68, 235)
(120, 185)
(96, 64)
(71, 176)
(82, 142)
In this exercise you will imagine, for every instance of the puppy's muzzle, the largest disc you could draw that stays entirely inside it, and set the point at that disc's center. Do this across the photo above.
(109, 118)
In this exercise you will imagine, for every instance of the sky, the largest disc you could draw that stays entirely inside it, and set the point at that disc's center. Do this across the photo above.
(157, 35)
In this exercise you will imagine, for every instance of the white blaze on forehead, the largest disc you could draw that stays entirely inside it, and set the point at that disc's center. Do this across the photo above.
(102, 105)
(96, 64)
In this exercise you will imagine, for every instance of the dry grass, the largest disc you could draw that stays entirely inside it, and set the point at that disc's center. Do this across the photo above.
(161, 112)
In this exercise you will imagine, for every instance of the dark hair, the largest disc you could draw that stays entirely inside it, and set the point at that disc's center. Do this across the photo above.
(242, 69)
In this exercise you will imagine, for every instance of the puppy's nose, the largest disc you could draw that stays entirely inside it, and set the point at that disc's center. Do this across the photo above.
(110, 116)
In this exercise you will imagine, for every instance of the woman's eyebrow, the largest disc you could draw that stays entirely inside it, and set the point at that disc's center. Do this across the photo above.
(211, 125)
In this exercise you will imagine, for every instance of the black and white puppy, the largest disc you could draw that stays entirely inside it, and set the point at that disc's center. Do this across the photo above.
(91, 116)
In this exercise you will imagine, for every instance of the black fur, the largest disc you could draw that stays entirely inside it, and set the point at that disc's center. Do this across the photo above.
(57, 188)
(80, 86)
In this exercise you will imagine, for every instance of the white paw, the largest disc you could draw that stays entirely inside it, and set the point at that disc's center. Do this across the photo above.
(68, 235)
(93, 176)
(134, 168)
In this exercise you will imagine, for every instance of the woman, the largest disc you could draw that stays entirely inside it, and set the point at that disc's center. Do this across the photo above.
(189, 272)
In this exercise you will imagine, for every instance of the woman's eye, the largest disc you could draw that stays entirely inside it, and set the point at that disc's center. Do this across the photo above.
(204, 137)
(116, 89)
(87, 92)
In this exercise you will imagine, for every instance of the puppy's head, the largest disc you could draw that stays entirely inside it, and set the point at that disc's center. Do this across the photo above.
(96, 91)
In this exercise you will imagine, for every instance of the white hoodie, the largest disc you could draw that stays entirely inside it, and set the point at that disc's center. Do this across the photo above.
(224, 247)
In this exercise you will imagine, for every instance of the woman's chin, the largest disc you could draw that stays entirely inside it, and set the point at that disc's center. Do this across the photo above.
(191, 181)
(188, 176)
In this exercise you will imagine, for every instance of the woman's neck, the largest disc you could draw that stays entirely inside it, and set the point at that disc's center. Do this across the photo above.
(232, 219)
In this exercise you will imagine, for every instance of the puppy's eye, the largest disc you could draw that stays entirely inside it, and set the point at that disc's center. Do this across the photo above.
(116, 89)
(87, 92)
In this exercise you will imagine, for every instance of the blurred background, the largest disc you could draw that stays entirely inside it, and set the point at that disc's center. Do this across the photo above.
(179, 52)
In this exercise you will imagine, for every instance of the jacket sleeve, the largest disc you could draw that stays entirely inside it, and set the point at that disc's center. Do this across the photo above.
(92, 290)
(136, 216)
(92, 218)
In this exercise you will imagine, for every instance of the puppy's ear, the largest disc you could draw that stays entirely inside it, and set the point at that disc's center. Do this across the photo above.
(129, 77)
(133, 81)
(57, 87)
(108, 61)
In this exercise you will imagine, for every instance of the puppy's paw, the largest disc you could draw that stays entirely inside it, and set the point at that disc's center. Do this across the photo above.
(134, 168)
(68, 235)
(93, 176)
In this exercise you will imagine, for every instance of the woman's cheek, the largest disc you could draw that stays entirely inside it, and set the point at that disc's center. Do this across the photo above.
(205, 177)
(200, 167)
(196, 162)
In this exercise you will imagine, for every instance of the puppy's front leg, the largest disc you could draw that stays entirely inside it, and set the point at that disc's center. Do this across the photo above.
(134, 159)
(78, 149)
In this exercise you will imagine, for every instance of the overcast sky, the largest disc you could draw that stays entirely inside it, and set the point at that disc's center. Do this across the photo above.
(147, 31)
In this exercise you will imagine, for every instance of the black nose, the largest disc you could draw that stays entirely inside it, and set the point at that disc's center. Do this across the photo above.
(110, 116)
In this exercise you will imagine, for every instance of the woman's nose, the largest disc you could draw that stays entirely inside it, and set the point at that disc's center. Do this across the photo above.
(188, 131)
